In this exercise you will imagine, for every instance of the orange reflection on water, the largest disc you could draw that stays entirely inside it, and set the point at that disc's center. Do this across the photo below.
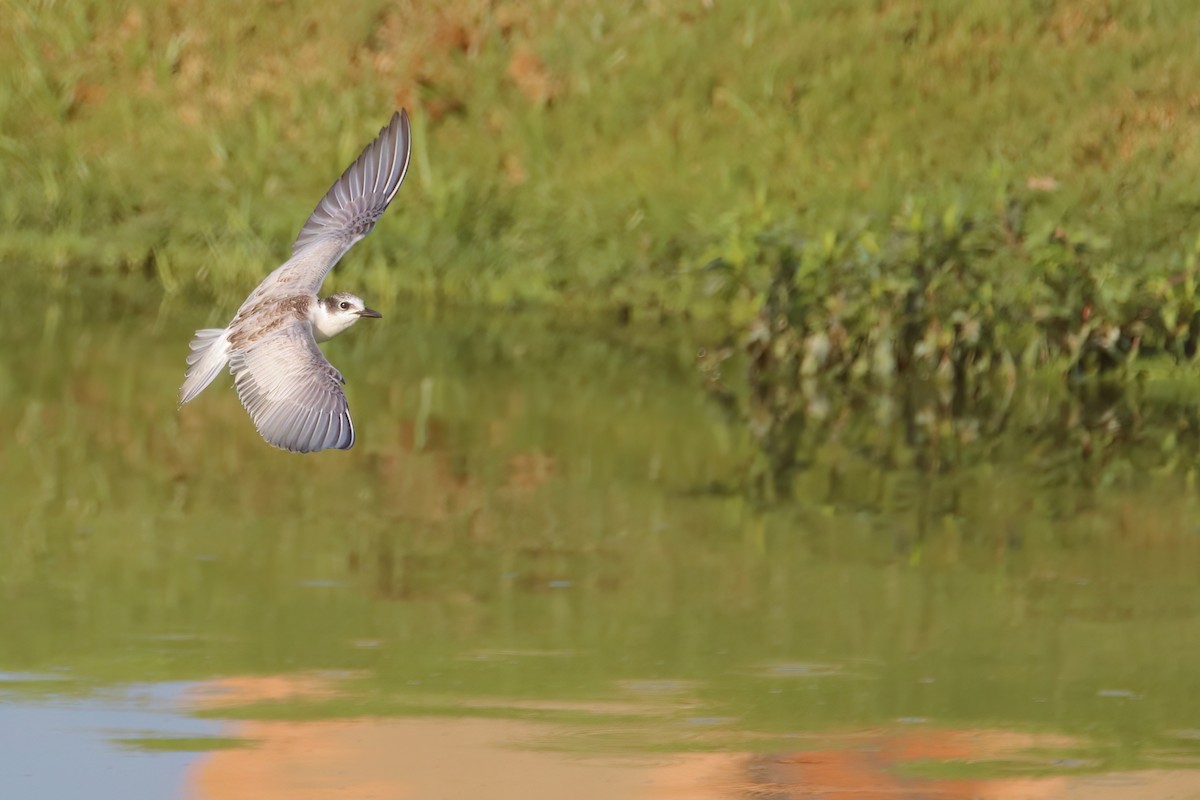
(431, 758)
(386, 759)
(878, 766)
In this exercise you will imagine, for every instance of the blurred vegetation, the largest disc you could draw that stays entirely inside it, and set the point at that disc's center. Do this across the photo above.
(909, 198)
(586, 154)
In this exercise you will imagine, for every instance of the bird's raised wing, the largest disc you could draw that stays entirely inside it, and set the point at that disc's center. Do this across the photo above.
(292, 392)
(350, 208)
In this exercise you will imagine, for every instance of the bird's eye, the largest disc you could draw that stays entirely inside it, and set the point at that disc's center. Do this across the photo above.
(343, 304)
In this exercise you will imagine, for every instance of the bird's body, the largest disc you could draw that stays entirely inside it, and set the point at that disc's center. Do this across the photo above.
(284, 381)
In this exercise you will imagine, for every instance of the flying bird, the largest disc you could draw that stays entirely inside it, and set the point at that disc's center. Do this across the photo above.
(291, 391)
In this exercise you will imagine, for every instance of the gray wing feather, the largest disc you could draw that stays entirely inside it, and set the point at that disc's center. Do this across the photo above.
(292, 392)
(350, 208)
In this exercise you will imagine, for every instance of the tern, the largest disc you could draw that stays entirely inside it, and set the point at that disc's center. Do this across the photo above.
(291, 391)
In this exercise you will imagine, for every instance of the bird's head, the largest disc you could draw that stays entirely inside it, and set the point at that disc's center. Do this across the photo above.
(338, 312)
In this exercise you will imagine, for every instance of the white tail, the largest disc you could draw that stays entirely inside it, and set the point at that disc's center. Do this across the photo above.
(210, 354)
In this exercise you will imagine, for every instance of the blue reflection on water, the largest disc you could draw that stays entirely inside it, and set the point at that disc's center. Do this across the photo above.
(62, 746)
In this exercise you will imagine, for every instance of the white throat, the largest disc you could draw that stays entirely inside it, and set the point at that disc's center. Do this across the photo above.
(327, 325)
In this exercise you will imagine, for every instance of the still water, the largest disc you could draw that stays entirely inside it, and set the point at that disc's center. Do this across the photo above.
(537, 576)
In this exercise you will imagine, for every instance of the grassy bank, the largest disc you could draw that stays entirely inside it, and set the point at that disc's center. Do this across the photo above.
(585, 154)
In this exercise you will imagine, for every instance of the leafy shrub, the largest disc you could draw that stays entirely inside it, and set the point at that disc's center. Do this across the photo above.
(964, 301)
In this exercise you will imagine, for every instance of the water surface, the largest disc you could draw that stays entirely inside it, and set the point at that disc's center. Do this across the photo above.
(538, 575)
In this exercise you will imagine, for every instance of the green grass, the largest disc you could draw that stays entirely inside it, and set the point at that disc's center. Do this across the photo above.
(579, 154)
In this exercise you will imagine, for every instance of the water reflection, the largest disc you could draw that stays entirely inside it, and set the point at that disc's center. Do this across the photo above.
(417, 755)
(535, 563)
(1087, 434)
(445, 758)
(58, 741)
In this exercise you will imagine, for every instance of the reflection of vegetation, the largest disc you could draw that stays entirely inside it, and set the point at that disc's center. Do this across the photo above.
(365, 702)
(183, 744)
(856, 442)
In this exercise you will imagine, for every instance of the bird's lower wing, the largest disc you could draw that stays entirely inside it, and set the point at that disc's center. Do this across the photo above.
(292, 392)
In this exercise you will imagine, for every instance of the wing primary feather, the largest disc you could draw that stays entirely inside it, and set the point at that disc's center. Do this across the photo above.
(320, 431)
(336, 428)
(293, 427)
(381, 170)
(309, 430)
(349, 209)
(356, 200)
